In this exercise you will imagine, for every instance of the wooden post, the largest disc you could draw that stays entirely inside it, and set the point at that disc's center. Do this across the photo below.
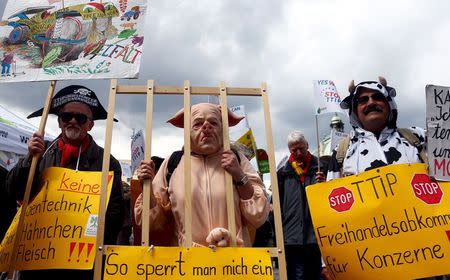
(147, 189)
(26, 196)
(274, 182)
(318, 144)
(98, 265)
(228, 182)
(187, 165)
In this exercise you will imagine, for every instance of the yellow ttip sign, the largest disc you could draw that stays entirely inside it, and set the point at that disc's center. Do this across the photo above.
(386, 223)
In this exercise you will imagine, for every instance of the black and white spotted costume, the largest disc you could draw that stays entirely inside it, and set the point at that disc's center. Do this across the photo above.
(365, 151)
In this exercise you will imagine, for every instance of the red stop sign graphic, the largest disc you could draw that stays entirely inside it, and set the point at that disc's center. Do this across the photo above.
(341, 199)
(426, 189)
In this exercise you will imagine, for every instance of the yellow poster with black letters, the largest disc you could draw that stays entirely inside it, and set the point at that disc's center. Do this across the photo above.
(387, 223)
(177, 263)
(60, 225)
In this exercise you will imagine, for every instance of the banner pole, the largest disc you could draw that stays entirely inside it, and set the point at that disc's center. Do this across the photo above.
(187, 164)
(31, 173)
(231, 218)
(318, 144)
(98, 264)
(147, 187)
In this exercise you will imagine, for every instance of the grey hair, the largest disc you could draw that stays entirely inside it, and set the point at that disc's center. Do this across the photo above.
(296, 136)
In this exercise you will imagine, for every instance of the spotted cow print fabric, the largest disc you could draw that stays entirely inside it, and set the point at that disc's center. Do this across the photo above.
(366, 152)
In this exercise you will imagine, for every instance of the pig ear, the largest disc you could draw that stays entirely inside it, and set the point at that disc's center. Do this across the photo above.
(178, 119)
(233, 119)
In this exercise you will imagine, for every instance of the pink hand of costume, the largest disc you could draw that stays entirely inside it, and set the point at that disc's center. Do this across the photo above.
(146, 170)
(221, 237)
(36, 145)
(231, 164)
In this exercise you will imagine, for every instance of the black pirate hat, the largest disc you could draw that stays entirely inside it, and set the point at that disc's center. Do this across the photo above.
(75, 93)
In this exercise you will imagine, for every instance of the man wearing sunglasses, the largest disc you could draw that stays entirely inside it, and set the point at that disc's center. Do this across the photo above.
(375, 140)
(77, 108)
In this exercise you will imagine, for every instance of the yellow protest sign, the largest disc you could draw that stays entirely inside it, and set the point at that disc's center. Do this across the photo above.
(248, 141)
(176, 263)
(60, 223)
(388, 223)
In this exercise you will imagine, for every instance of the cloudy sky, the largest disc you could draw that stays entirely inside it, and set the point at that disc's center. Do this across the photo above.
(285, 43)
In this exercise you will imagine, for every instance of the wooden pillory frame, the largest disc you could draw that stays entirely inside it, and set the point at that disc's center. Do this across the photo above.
(150, 90)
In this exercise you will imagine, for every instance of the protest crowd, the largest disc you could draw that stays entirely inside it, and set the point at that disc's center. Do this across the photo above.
(374, 141)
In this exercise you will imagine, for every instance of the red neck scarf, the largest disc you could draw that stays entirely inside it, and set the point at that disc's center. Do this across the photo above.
(69, 151)
(301, 167)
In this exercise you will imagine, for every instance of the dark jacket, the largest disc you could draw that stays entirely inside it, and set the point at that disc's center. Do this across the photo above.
(7, 205)
(90, 160)
(295, 214)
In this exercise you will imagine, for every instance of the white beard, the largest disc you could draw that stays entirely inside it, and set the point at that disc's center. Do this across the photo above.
(72, 133)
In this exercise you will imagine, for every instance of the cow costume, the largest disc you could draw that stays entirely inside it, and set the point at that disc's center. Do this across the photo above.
(365, 150)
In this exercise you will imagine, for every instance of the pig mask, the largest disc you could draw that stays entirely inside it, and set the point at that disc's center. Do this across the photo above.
(206, 127)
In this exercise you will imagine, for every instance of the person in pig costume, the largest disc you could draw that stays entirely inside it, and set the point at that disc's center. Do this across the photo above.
(209, 162)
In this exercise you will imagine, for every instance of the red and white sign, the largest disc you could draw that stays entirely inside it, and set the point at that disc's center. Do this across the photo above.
(426, 190)
(341, 199)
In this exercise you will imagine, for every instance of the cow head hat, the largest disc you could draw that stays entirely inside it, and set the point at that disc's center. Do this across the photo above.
(349, 102)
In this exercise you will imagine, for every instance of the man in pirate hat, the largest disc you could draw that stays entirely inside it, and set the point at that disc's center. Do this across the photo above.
(77, 107)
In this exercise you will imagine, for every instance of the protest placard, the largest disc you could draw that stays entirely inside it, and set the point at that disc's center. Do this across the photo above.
(336, 137)
(179, 263)
(326, 97)
(60, 224)
(387, 223)
(248, 141)
(438, 131)
(137, 150)
(71, 39)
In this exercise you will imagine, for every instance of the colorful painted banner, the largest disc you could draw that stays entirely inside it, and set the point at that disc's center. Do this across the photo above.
(326, 97)
(60, 224)
(187, 263)
(387, 223)
(438, 131)
(71, 39)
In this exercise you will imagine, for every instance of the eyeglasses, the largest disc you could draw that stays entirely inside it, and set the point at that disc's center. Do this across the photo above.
(67, 117)
(362, 100)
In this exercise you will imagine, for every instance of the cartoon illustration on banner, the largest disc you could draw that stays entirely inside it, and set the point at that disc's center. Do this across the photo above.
(71, 39)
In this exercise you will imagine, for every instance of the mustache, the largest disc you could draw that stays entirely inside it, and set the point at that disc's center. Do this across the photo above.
(372, 108)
